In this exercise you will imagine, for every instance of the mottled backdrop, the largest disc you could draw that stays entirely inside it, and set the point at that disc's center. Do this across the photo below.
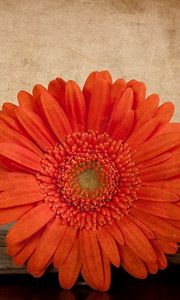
(40, 40)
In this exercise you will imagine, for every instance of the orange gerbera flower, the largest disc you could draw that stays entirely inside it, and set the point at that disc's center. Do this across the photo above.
(92, 177)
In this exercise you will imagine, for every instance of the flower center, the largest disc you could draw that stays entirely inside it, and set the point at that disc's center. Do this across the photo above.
(90, 180)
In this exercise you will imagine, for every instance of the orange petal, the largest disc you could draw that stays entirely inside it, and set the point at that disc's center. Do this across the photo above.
(88, 87)
(65, 246)
(9, 180)
(158, 225)
(123, 128)
(157, 160)
(57, 89)
(147, 231)
(136, 240)
(142, 133)
(14, 137)
(69, 271)
(75, 106)
(114, 230)
(55, 115)
(107, 272)
(156, 194)
(21, 155)
(117, 89)
(161, 258)
(132, 263)
(165, 112)
(106, 76)
(47, 245)
(166, 128)
(165, 170)
(30, 223)
(109, 246)
(10, 122)
(168, 247)
(9, 109)
(156, 146)
(152, 268)
(98, 113)
(35, 127)
(28, 192)
(91, 256)
(172, 185)
(21, 257)
(146, 110)
(25, 100)
(8, 215)
(120, 108)
(139, 90)
(164, 210)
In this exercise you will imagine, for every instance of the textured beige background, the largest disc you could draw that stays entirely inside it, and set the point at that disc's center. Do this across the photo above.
(40, 40)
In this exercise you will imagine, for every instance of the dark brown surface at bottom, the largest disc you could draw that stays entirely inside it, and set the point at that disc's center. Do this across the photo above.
(163, 286)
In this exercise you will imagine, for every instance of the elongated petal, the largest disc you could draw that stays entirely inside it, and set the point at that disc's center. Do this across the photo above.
(147, 110)
(132, 263)
(55, 115)
(109, 246)
(69, 271)
(107, 271)
(75, 106)
(10, 122)
(21, 155)
(21, 257)
(157, 160)
(120, 108)
(88, 87)
(30, 223)
(89, 84)
(161, 258)
(35, 127)
(156, 146)
(24, 194)
(25, 100)
(163, 171)
(57, 89)
(114, 230)
(8, 215)
(139, 90)
(9, 135)
(46, 247)
(145, 229)
(117, 89)
(158, 225)
(172, 185)
(65, 246)
(13, 180)
(152, 268)
(168, 247)
(123, 128)
(136, 240)
(106, 76)
(98, 113)
(156, 194)
(91, 256)
(165, 112)
(164, 210)
(9, 109)
(142, 133)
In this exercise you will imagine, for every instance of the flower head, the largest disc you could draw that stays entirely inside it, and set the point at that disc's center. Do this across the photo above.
(92, 178)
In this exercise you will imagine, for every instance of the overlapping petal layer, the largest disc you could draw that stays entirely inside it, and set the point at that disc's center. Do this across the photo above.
(91, 178)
